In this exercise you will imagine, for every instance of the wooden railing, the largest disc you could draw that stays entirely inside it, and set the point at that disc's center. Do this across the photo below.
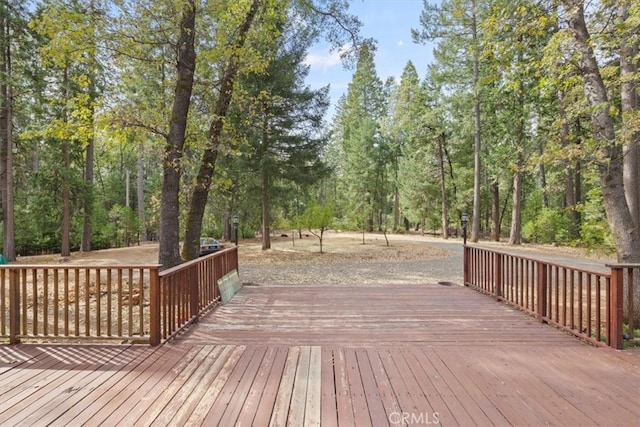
(126, 303)
(188, 290)
(588, 304)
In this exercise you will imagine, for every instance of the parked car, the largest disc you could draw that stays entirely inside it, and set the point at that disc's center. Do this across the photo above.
(208, 245)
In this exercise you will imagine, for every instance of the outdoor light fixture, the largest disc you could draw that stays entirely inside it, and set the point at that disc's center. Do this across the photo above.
(464, 218)
(234, 221)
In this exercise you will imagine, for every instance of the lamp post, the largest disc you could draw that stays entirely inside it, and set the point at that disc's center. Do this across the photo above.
(465, 220)
(234, 221)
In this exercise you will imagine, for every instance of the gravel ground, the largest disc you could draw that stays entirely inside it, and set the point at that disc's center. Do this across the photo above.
(347, 261)
(407, 259)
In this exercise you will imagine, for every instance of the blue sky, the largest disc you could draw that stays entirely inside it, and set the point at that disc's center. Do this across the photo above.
(390, 23)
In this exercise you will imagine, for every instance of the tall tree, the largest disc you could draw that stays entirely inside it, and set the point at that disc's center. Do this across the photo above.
(8, 14)
(629, 26)
(364, 149)
(405, 133)
(329, 18)
(229, 74)
(69, 51)
(457, 22)
(169, 253)
(610, 163)
(285, 142)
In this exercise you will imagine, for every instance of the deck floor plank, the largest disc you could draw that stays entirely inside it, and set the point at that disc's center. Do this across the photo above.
(52, 387)
(449, 409)
(247, 381)
(183, 396)
(251, 403)
(95, 393)
(213, 389)
(298, 402)
(383, 385)
(285, 390)
(375, 404)
(313, 410)
(329, 410)
(270, 392)
(344, 403)
(480, 408)
(149, 387)
(242, 369)
(332, 356)
(361, 415)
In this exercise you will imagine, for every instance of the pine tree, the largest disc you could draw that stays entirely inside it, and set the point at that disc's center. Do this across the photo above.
(280, 118)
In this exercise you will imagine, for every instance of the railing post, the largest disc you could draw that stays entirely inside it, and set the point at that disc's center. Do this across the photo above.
(614, 337)
(498, 276)
(542, 291)
(465, 262)
(154, 307)
(235, 265)
(194, 293)
(14, 306)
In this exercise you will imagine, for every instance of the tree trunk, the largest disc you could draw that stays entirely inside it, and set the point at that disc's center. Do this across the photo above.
(226, 224)
(630, 105)
(169, 252)
(543, 178)
(207, 165)
(515, 237)
(65, 246)
(626, 235)
(266, 228)
(495, 211)
(396, 205)
(570, 201)
(443, 187)
(475, 226)
(140, 192)
(85, 242)
(6, 139)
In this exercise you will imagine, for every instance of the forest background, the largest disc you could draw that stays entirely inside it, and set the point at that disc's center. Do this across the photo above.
(129, 120)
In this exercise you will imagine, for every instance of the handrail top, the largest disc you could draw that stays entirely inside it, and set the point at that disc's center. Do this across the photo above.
(537, 260)
(184, 264)
(63, 266)
(623, 265)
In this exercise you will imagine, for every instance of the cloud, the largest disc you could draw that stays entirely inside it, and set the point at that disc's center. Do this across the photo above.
(325, 60)
(401, 43)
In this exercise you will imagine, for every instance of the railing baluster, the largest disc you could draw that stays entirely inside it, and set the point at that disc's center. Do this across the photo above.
(589, 310)
(630, 301)
(572, 300)
(598, 307)
(580, 305)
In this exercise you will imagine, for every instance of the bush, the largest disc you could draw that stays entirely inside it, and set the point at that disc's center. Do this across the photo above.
(550, 226)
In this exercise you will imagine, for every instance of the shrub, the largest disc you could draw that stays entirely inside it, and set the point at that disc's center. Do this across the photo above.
(550, 226)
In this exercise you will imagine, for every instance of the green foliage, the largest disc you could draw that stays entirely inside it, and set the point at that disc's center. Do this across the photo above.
(123, 226)
(595, 231)
(317, 218)
(550, 226)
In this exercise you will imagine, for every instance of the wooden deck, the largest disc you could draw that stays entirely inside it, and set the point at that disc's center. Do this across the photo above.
(332, 356)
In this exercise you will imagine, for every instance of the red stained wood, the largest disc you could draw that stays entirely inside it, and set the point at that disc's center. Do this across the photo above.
(332, 356)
